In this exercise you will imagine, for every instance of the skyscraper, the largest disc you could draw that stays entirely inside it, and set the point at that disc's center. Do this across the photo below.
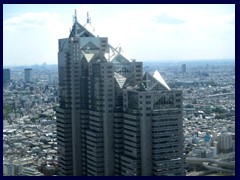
(112, 120)
(85, 115)
(6, 75)
(152, 129)
(28, 75)
(183, 68)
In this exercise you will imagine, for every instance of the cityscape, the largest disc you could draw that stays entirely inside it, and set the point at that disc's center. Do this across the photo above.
(97, 113)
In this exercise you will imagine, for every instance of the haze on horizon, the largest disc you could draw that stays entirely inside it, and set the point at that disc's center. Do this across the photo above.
(163, 32)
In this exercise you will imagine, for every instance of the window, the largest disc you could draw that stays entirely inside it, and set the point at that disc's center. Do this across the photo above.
(148, 102)
(164, 101)
(132, 99)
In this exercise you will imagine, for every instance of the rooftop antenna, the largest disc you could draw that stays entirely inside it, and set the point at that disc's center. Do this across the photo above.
(120, 48)
(88, 19)
(75, 16)
(89, 22)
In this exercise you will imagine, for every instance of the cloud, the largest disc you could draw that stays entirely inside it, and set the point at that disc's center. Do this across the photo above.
(30, 20)
(39, 32)
(166, 19)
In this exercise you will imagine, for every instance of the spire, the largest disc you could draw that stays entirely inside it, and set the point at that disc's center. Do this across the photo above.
(75, 16)
(88, 18)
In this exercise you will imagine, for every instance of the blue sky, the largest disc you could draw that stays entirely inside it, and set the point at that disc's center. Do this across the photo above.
(145, 32)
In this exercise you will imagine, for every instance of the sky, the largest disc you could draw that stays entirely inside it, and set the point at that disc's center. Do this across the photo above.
(154, 32)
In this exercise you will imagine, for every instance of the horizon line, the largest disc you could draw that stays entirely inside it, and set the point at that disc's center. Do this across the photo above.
(146, 61)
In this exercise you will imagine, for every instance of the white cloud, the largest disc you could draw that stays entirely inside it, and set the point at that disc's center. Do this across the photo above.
(32, 20)
(33, 37)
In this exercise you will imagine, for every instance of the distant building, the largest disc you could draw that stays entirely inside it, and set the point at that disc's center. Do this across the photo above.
(6, 75)
(49, 78)
(207, 139)
(183, 68)
(225, 141)
(29, 171)
(28, 75)
(14, 167)
(49, 170)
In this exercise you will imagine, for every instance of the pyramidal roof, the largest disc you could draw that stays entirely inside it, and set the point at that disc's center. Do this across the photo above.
(153, 82)
(148, 81)
(78, 29)
(160, 79)
(117, 55)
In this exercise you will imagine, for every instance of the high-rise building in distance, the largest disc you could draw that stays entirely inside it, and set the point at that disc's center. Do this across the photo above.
(183, 68)
(112, 119)
(28, 75)
(6, 75)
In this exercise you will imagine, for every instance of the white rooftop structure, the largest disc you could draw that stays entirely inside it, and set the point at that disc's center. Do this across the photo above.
(160, 79)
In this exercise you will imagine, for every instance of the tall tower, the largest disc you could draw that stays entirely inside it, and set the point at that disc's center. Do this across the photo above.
(28, 75)
(85, 114)
(110, 118)
(152, 129)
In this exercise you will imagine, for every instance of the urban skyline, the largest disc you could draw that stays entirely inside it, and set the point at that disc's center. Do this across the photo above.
(208, 107)
(174, 29)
